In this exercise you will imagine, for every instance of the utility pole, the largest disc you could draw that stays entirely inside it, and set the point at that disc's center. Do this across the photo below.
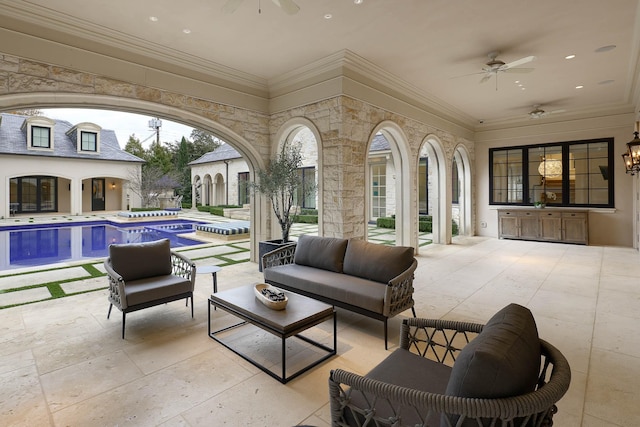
(156, 124)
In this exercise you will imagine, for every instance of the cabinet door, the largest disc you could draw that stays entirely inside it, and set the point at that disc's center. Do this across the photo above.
(529, 225)
(575, 228)
(508, 225)
(550, 226)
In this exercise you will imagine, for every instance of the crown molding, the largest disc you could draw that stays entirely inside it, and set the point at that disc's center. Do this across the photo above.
(64, 29)
(346, 64)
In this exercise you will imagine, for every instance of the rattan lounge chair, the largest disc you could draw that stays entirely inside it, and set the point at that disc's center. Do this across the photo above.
(413, 386)
(143, 275)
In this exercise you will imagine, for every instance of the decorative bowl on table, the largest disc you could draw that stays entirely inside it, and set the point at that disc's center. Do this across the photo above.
(271, 296)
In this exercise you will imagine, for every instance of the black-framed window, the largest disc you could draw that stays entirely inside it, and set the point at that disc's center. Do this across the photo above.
(34, 193)
(574, 173)
(308, 179)
(243, 188)
(88, 141)
(40, 137)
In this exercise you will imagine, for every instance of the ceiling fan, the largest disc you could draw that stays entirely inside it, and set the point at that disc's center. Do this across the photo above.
(288, 6)
(495, 66)
(538, 112)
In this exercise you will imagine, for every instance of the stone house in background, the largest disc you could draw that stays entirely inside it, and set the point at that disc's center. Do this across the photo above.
(220, 178)
(53, 166)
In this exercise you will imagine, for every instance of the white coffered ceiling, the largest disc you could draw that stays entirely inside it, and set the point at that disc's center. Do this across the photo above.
(433, 46)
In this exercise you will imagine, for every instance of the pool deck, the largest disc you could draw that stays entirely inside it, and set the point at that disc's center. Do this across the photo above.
(40, 283)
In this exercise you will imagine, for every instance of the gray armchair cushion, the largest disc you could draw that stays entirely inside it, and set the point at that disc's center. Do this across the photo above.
(326, 253)
(135, 261)
(503, 361)
(376, 262)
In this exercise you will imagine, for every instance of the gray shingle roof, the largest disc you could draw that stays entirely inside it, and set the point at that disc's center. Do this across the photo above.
(223, 152)
(13, 140)
(379, 143)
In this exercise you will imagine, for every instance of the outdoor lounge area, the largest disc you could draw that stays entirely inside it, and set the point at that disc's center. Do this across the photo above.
(63, 363)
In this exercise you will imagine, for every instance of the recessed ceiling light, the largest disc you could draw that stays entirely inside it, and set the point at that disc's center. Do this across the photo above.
(153, 18)
(358, 1)
(606, 48)
(517, 81)
(523, 88)
(328, 16)
(579, 87)
(570, 56)
(186, 31)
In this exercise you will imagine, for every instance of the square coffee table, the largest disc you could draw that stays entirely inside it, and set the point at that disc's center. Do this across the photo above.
(300, 314)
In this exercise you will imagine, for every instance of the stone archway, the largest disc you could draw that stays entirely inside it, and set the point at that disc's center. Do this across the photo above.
(432, 149)
(41, 85)
(290, 132)
(463, 163)
(406, 231)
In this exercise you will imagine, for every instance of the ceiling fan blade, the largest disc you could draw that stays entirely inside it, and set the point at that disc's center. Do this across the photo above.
(519, 70)
(486, 78)
(231, 5)
(288, 6)
(518, 62)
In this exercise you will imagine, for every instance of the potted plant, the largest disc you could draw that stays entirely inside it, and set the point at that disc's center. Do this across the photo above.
(281, 183)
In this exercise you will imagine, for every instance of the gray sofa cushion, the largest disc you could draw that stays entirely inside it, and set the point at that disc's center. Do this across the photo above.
(504, 360)
(341, 287)
(405, 369)
(155, 288)
(135, 261)
(376, 262)
(326, 253)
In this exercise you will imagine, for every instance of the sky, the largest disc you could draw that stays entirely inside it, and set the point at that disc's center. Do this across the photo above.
(124, 124)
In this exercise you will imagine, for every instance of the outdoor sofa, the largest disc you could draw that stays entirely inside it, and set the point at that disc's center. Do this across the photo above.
(367, 278)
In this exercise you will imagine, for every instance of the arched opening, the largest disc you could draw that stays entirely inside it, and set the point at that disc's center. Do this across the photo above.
(433, 197)
(303, 133)
(461, 191)
(207, 191)
(180, 115)
(388, 183)
(220, 190)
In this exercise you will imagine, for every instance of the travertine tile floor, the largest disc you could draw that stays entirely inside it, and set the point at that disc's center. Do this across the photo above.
(62, 363)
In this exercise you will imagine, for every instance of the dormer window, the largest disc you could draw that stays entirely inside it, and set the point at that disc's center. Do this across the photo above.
(88, 141)
(40, 137)
(39, 131)
(86, 137)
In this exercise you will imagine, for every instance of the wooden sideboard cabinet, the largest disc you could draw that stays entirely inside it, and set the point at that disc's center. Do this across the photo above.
(549, 225)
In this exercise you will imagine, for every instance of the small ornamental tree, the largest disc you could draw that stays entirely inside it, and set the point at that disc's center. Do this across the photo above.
(281, 183)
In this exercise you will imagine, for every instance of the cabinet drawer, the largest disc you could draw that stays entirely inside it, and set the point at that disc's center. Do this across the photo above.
(548, 214)
(576, 215)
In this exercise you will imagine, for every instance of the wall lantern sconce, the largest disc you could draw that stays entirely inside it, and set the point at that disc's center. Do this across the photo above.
(113, 185)
(632, 157)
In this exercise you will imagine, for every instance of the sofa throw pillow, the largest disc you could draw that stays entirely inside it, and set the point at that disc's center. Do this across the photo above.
(503, 360)
(376, 262)
(326, 253)
(135, 261)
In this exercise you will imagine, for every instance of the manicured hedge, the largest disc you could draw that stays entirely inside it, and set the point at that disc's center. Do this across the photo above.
(305, 219)
(145, 209)
(425, 224)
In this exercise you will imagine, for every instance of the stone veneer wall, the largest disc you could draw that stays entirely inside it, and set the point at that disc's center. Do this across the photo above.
(345, 125)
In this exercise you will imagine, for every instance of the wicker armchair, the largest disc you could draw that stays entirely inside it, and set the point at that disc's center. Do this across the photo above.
(384, 398)
(143, 275)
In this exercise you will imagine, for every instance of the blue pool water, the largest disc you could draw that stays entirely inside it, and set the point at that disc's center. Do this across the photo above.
(48, 244)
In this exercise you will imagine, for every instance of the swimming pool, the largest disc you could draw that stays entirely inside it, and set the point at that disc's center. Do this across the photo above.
(48, 244)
